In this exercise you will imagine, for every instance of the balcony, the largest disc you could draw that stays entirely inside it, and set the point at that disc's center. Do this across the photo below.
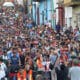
(71, 2)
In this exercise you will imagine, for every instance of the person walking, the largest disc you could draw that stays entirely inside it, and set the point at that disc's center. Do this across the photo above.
(58, 27)
(74, 71)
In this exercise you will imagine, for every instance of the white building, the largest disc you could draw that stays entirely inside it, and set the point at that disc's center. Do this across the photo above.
(68, 16)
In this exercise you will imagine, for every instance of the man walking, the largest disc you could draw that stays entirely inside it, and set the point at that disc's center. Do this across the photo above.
(74, 71)
(58, 27)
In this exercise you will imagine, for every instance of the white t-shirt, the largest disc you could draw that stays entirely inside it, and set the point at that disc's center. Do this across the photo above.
(2, 74)
(74, 73)
(3, 67)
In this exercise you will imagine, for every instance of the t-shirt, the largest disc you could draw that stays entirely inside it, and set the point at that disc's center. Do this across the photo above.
(9, 54)
(3, 67)
(14, 60)
(2, 74)
(74, 73)
(53, 58)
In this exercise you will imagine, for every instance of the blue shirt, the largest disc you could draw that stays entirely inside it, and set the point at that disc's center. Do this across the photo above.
(53, 58)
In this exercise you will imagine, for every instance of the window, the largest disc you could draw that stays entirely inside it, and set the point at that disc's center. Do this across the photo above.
(78, 19)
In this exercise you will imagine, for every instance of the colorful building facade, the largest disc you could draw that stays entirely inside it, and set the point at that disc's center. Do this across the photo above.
(75, 5)
(44, 11)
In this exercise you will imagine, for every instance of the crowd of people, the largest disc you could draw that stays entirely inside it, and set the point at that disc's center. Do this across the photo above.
(26, 49)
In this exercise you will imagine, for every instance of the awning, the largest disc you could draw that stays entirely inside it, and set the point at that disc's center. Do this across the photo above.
(8, 4)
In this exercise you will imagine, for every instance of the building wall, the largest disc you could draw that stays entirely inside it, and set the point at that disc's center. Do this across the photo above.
(42, 13)
(75, 12)
(76, 16)
(46, 11)
(56, 8)
(67, 1)
(68, 16)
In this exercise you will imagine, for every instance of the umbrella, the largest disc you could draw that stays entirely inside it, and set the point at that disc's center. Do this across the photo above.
(8, 4)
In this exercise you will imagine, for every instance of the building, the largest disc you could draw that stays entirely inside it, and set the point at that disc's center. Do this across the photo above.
(74, 6)
(61, 13)
(44, 11)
